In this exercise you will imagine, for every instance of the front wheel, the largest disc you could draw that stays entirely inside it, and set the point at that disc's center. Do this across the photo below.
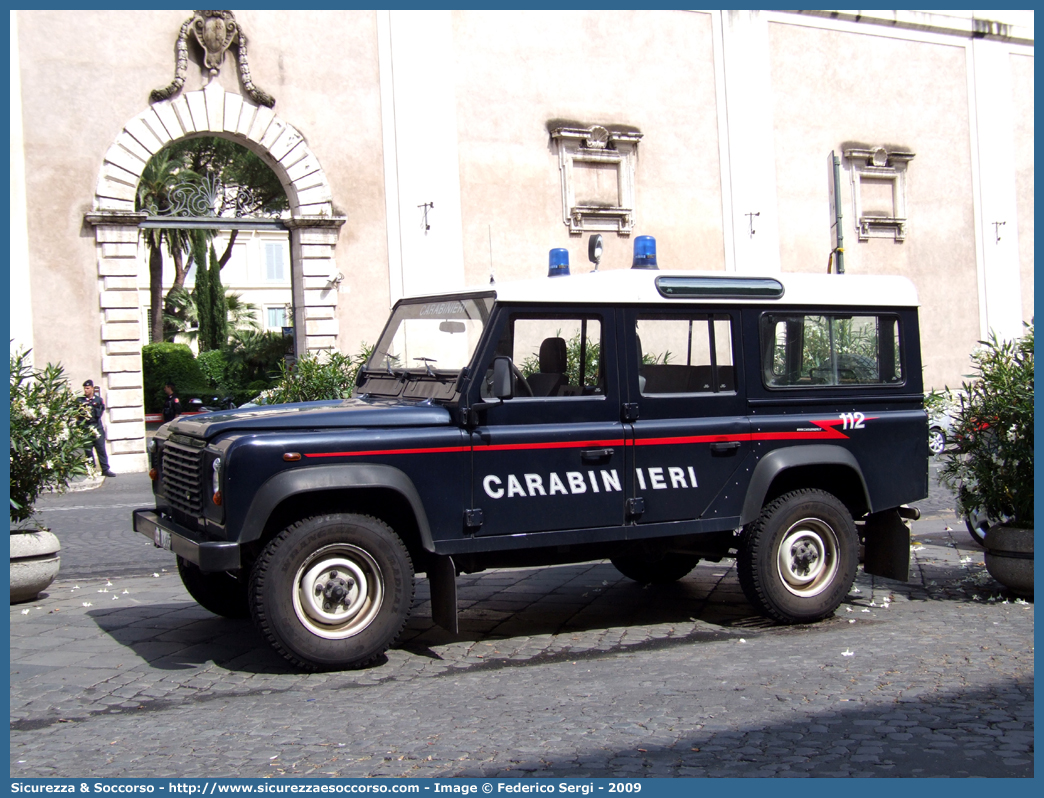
(936, 441)
(798, 559)
(332, 591)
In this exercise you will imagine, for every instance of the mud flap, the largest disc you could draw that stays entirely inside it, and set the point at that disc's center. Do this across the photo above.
(442, 582)
(887, 546)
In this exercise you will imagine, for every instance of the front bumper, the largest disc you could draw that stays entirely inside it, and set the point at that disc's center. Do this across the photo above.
(211, 556)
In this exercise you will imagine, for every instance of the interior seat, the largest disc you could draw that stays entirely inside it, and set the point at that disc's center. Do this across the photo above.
(552, 374)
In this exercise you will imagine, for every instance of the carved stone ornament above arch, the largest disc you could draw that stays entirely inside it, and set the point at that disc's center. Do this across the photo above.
(216, 32)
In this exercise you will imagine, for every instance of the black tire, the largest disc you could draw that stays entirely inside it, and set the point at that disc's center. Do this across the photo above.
(978, 523)
(221, 593)
(368, 579)
(810, 582)
(654, 568)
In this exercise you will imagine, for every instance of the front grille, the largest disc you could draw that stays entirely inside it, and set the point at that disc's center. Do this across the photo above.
(183, 478)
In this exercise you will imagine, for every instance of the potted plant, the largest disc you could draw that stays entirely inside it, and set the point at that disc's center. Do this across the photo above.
(992, 469)
(50, 445)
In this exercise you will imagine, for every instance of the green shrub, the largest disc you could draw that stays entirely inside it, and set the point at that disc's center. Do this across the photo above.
(49, 437)
(213, 365)
(330, 375)
(163, 363)
(993, 469)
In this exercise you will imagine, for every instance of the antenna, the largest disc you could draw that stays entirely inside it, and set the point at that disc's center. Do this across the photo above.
(490, 229)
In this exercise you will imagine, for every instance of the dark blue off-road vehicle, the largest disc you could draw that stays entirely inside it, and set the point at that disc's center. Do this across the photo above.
(652, 418)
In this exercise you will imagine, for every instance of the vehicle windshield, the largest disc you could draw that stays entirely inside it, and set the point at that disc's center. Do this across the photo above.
(431, 337)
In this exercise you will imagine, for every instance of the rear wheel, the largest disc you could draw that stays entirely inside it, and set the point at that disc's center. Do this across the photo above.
(654, 568)
(798, 559)
(221, 593)
(332, 591)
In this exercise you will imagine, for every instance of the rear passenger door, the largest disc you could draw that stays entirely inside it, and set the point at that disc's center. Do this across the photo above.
(685, 388)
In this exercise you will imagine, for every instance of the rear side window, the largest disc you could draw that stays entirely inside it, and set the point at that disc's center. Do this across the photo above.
(830, 349)
(684, 354)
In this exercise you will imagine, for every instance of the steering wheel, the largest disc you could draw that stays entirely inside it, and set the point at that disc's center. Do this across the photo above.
(527, 389)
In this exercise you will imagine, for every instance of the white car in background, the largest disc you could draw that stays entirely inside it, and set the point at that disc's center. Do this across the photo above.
(939, 434)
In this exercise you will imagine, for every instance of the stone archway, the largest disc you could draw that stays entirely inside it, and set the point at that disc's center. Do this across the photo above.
(313, 240)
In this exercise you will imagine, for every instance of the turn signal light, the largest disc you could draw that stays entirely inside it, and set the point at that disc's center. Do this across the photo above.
(153, 473)
(217, 498)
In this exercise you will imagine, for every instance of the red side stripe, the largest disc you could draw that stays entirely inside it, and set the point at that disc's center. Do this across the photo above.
(374, 452)
(506, 447)
(826, 431)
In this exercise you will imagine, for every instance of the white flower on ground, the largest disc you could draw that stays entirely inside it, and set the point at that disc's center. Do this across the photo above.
(25, 612)
(847, 653)
(87, 604)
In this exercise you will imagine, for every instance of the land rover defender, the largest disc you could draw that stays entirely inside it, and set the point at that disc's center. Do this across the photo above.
(651, 418)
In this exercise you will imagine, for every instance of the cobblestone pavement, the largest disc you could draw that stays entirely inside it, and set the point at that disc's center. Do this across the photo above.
(566, 671)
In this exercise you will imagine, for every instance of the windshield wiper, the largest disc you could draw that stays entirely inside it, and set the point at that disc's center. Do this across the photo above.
(427, 365)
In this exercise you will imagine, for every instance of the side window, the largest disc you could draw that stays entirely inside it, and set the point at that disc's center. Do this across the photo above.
(813, 349)
(558, 357)
(684, 354)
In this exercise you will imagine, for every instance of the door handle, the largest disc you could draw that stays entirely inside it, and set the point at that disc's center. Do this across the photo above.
(725, 447)
(595, 454)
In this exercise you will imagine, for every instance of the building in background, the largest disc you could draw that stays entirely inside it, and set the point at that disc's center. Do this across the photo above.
(425, 150)
(258, 271)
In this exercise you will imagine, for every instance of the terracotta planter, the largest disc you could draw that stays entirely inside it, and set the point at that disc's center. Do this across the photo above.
(34, 563)
(1009, 558)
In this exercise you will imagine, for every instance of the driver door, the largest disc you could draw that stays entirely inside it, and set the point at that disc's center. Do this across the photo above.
(552, 456)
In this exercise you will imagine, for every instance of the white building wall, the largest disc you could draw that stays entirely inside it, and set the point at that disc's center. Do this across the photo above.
(997, 232)
(21, 298)
(425, 244)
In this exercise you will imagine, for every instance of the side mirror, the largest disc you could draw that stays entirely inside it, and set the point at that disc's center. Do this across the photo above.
(502, 378)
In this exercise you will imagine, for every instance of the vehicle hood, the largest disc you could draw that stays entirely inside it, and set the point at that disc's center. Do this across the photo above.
(342, 414)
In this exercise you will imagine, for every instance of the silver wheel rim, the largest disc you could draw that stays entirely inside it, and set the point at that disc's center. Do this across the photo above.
(807, 559)
(338, 591)
(936, 442)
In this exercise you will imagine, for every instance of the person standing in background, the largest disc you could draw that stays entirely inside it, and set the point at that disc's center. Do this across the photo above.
(96, 408)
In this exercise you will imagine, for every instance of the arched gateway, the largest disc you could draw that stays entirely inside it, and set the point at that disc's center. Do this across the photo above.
(313, 238)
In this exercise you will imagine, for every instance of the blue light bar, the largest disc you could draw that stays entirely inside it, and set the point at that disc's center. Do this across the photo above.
(644, 253)
(558, 262)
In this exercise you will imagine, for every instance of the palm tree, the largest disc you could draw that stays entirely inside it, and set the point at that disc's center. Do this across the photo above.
(159, 180)
(183, 318)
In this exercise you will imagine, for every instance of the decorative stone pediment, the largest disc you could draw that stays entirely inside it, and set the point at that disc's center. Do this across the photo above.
(215, 32)
(597, 168)
(879, 191)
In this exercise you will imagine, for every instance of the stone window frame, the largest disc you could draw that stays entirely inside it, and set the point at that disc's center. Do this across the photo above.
(598, 145)
(880, 164)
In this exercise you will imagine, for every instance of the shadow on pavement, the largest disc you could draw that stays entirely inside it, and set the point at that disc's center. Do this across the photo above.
(983, 732)
(524, 603)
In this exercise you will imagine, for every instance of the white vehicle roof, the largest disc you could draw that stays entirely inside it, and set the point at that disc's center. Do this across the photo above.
(640, 286)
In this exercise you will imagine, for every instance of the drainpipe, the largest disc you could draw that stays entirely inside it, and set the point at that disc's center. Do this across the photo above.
(839, 250)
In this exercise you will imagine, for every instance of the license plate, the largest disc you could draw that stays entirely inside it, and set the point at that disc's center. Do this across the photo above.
(161, 538)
